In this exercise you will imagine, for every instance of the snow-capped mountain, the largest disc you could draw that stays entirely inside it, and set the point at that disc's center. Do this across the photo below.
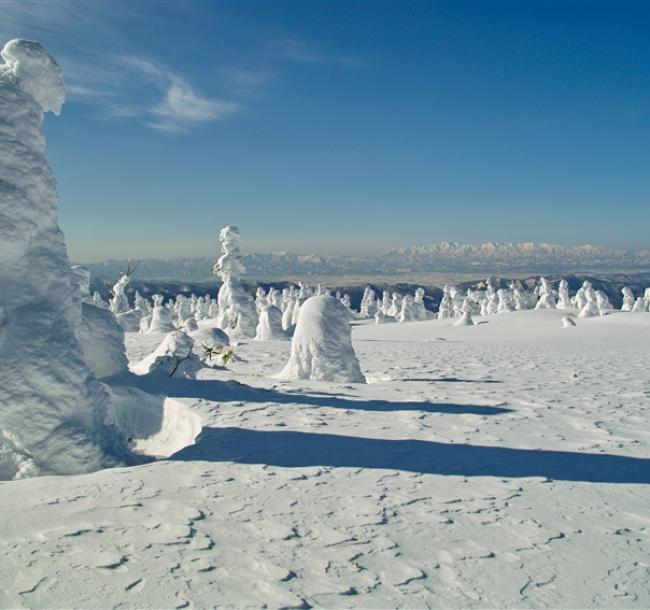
(503, 256)
(490, 257)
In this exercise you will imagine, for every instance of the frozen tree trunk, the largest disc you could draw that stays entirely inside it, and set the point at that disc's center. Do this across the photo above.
(53, 411)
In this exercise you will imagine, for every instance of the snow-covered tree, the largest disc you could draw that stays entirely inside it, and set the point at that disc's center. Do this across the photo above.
(53, 411)
(602, 302)
(406, 312)
(457, 299)
(418, 308)
(269, 325)
(395, 305)
(261, 300)
(505, 301)
(141, 303)
(584, 293)
(628, 299)
(275, 298)
(98, 301)
(202, 309)
(563, 298)
(119, 302)
(471, 302)
(161, 317)
(546, 296)
(369, 305)
(381, 317)
(183, 308)
(237, 312)
(321, 347)
(490, 303)
(590, 308)
(445, 310)
(289, 300)
(386, 302)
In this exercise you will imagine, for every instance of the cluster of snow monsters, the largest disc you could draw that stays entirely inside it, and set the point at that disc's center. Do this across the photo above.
(196, 326)
(268, 316)
(586, 302)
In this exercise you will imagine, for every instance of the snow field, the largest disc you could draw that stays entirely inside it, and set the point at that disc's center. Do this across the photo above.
(499, 465)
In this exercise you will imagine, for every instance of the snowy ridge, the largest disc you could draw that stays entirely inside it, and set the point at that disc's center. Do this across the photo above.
(514, 255)
(490, 257)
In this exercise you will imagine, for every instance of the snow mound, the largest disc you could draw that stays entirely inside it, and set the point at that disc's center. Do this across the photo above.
(464, 320)
(190, 325)
(173, 357)
(209, 337)
(321, 347)
(568, 321)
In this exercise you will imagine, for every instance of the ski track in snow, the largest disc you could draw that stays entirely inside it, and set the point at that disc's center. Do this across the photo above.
(393, 494)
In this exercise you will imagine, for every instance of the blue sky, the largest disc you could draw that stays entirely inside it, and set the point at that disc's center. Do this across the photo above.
(346, 127)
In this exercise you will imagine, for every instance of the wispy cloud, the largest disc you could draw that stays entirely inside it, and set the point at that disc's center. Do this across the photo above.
(296, 50)
(141, 87)
(122, 111)
(54, 17)
(246, 78)
(181, 105)
(112, 83)
(82, 92)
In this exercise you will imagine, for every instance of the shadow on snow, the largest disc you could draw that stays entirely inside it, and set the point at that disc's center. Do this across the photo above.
(302, 449)
(232, 391)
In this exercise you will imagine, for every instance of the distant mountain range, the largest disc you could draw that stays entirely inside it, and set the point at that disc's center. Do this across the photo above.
(444, 257)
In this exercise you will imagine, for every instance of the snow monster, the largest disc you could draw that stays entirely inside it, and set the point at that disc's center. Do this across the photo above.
(54, 414)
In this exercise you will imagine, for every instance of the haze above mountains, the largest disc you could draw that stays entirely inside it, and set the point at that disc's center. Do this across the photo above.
(443, 257)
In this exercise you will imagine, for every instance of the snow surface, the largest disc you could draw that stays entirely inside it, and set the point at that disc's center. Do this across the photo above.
(505, 464)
